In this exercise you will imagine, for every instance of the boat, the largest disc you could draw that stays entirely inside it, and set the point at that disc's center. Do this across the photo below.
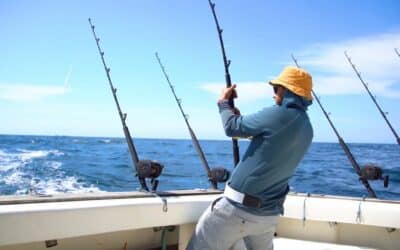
(166, 220)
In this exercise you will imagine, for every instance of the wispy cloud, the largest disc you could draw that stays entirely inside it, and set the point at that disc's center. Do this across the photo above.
(28, 92)
(31, 92)
(247, 91)
(66, 81)
(374, 56)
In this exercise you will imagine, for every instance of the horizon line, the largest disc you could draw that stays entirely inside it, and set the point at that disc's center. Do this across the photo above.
(175, 138)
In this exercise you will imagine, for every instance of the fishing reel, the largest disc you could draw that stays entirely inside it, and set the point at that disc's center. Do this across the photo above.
(373, 172)
(149, 169)
(219, 174)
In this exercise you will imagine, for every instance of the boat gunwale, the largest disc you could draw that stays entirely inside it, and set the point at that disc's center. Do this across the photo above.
(67, 197)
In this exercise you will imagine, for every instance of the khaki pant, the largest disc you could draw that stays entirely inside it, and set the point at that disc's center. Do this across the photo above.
(228, 227)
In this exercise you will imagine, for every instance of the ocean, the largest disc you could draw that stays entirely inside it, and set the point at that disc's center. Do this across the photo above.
(64, 164)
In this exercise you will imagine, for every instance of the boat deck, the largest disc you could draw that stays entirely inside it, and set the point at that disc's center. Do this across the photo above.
(287, 244)
(290, 244)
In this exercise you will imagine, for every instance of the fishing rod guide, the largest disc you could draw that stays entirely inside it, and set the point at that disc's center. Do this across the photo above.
(144, 168)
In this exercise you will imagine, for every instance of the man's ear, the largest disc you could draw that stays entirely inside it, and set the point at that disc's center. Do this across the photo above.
(282, 90)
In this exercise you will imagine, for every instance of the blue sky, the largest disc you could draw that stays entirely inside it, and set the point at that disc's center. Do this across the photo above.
(52, 81)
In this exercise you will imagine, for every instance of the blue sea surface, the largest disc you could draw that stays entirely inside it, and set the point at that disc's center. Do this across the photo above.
(63, 164)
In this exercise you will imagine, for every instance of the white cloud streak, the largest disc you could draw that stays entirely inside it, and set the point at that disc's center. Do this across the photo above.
(374, 57)
(28, 92)
(66, 81)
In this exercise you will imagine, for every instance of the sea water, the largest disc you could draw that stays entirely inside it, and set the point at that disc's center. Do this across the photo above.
(61, 164)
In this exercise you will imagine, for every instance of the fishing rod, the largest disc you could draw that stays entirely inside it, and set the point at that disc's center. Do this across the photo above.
(227, 63)
(372, 97)
(397, 51)
(144, 168)
(370, 171)
(215, 175)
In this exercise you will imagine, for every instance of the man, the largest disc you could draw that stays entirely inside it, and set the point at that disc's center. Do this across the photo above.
(253, 198)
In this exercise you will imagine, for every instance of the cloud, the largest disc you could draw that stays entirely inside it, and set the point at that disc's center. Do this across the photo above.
(247, 91)
(30, 92)
(27, 92)
(374, 57)
(66, 81)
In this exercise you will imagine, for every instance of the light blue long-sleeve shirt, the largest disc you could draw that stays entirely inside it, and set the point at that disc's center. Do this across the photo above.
(281, 137)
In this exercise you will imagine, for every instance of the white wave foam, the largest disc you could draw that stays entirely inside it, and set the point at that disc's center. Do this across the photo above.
(62, 185)
(2, 153)
(7, 166)
(53, 164)
(9, 161)
(12, 173)
(6, 162)
(15, 178)
(31, 154)
(27, 155)
(106, 141)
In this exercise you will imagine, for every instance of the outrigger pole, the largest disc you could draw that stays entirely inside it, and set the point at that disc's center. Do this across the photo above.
(343, 145)
(372, 97)
(236, 157)
(214, 175)
(144, 168)
(397, 51)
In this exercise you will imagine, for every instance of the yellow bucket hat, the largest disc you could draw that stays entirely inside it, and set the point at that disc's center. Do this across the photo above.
(296, 80)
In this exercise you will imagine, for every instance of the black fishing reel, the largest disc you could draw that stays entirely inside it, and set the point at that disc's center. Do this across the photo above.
(219, 174)
(373, 172)
(149, 169)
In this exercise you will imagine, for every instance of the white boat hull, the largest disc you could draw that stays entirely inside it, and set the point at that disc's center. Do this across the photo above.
(109, 221)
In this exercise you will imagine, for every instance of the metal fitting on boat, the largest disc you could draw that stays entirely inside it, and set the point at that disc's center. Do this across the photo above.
(304, 209)
(359, 218)
(51, 243)
(332, 224)
(165, 205)
(390, 230)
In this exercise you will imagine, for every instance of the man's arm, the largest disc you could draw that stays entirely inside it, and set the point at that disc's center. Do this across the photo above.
(236, 125)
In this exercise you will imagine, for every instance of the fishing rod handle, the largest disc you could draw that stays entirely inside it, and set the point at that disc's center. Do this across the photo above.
(235, 148)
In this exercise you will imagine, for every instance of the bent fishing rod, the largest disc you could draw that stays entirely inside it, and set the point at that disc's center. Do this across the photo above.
(227, 63)
(144, 168)
(370, 172)
(215, 175)
(372, 97)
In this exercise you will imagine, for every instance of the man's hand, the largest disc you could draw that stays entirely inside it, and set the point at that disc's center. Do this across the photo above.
(236, 111)
(227, 93)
